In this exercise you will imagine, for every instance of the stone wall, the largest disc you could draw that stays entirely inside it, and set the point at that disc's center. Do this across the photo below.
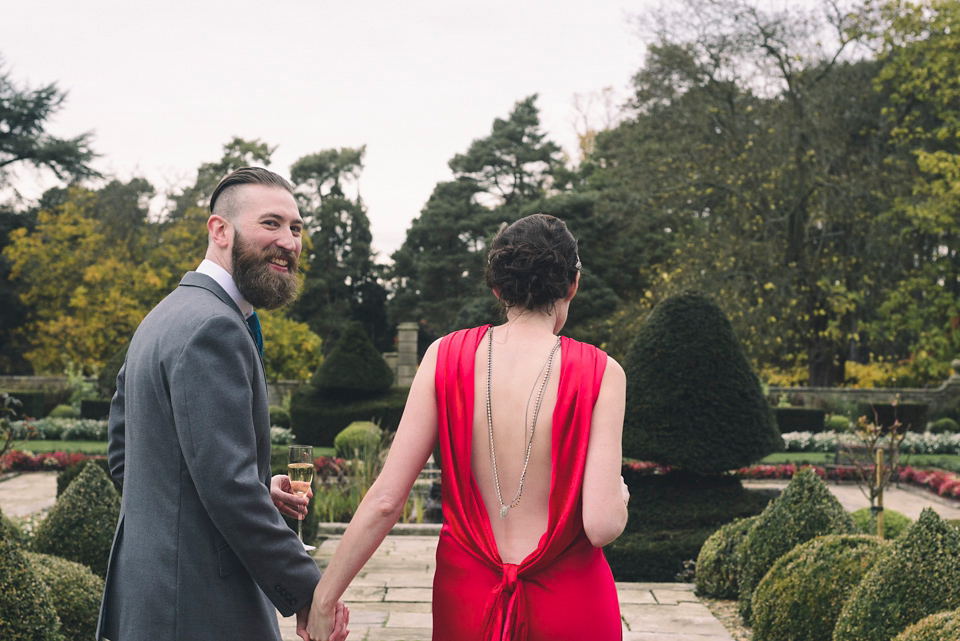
(942, 397)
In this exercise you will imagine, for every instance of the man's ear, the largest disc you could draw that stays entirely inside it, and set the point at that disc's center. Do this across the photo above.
(218, 230)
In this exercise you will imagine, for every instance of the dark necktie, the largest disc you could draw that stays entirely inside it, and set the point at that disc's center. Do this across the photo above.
(254, 323)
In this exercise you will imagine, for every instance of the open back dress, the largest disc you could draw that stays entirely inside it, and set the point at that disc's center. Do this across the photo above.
(564, 588)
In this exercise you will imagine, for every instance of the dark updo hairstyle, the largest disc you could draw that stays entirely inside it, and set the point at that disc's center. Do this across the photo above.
(532, 263)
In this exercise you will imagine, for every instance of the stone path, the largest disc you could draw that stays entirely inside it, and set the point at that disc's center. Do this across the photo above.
(390, 600)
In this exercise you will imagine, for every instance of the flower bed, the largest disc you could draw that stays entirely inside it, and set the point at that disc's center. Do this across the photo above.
(913, 443)
(19, 461)
(946, 484)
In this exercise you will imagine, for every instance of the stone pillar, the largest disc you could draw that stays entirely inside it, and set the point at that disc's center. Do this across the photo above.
(406, 353)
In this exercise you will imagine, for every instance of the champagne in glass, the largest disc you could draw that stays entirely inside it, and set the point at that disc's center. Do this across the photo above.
(300, 471)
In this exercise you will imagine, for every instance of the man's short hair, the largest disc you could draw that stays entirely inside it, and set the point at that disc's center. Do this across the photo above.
(240, 177)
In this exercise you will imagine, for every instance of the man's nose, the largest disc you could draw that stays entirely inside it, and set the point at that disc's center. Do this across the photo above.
(288, 242)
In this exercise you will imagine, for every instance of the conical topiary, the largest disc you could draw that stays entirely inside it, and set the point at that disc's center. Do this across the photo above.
(936, 627)
(801, 596)
(693, 401)
(26, 609)
(718, 563)
(919, 578)
(804, 510)
(353, 369)
(75, 592)
(81, 524)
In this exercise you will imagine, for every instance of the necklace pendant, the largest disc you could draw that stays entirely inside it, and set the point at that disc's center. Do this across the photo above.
(503, 511)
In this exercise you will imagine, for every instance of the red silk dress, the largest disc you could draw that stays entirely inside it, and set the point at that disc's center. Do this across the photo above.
(564, 589)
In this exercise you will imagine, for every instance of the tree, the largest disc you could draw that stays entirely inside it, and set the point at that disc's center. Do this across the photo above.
(920, 313)
(758, 148)
(343, 281)
(236, 154)
(24, 114)
(438, 271)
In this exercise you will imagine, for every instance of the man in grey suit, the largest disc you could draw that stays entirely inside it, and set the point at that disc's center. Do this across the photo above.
(201, 551)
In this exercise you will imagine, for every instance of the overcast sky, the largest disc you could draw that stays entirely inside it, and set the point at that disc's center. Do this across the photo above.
(163, 85)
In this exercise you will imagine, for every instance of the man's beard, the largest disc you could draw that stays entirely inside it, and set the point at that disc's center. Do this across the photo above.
(257, 281)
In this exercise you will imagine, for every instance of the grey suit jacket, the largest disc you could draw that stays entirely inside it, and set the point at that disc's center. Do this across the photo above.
(200, 551)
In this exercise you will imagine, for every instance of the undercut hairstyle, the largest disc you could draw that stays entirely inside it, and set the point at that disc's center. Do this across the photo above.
(533, 263)
(225, 193)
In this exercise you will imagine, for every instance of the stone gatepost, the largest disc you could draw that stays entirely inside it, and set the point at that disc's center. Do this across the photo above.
(406, 353)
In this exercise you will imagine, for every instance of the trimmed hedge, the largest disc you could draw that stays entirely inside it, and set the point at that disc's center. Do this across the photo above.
(318, 420)
(805, 510)
(801, 596)
(912, 415)
(945, 425)
(81, 524)
(26, 608)
(279, 417)
(693, 400)
(717, 562)
(353, 369)
(894, 523)
(95, 408)
(837, 423)
(936, 627)
(671, 517)
(32, 404)
(357, 439)
(800, 419)
(75, 592)
(920, 577)
(64, 411)
(67, 474)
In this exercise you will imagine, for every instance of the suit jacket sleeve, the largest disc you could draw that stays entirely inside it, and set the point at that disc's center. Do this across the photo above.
(211, 387)
(115, 431)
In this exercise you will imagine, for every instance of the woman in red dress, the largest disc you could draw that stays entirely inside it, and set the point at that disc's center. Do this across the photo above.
(529, 426)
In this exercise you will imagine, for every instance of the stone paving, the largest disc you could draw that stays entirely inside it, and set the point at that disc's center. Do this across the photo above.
(391, 598)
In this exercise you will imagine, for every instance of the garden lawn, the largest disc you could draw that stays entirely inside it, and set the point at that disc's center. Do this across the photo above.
(943, 461)
(87, 447)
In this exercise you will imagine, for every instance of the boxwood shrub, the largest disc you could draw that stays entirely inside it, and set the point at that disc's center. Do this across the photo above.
(26, 608)
(279, 417)
(317, 420)
(64, 411)
(936, 627)
(801, 596)
(894, 523)
(945, 425)
(81, 524)
(717, 562)
(66, 475)
(357, 439)
(96, 409)
(75, 592)
(805, 510)
(920, 577)
(800, 419)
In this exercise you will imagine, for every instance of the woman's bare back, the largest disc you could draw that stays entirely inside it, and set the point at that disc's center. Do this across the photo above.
(520, 356)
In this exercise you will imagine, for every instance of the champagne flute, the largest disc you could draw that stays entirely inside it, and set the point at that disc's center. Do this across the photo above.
(300, 471)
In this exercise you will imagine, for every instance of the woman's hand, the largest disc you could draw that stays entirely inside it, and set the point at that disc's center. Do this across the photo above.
(289, 504)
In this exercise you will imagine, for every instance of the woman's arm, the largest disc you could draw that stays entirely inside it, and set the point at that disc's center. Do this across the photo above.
(604, 498)
(383, 504)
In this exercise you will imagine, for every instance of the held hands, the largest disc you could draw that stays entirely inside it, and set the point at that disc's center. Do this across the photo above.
(289, 504)
(323, 624)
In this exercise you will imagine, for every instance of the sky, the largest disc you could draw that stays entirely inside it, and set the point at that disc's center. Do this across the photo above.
(164, 85)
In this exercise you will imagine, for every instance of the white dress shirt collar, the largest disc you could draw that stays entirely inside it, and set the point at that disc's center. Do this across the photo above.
(225, 280)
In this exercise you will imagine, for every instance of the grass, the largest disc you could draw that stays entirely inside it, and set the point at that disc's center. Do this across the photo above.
(944, 461)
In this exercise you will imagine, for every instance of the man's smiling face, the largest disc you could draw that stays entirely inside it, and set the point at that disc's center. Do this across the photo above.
(266, 246)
